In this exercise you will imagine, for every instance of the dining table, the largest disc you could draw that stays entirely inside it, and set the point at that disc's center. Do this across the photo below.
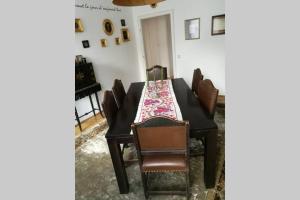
(201, 126)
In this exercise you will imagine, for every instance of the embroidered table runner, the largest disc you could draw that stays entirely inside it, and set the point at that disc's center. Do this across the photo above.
(158, 99)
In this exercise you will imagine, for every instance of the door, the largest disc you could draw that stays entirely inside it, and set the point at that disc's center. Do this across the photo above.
(157, 40)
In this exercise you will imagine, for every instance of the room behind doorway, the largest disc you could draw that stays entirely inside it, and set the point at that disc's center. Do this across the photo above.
(157, 39)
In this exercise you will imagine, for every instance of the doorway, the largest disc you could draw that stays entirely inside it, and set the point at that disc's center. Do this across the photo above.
(157, 39)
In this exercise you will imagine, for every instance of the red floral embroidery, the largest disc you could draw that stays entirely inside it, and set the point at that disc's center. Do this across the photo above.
(158, 101)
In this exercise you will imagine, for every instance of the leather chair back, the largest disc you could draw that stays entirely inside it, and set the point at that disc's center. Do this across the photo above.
(160, 136)
(207, 96)
(197, 76)
(109, 106)
(157, 72)
(119, 92)
(162, 145)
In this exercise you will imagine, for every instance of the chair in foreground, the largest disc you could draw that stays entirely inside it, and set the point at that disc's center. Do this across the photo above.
(162, 146)
(207, 96)
(197, 76)
(157, 72)
(119, 92)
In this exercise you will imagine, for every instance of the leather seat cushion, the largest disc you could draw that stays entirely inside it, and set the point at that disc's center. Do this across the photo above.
(164, 163)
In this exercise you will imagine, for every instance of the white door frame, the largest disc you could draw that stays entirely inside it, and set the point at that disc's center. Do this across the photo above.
(166, 12)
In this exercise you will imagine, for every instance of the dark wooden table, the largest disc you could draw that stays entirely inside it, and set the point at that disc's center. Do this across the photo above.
(200, 126)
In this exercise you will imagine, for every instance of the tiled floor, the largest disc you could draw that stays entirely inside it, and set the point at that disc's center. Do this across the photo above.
(95, 177)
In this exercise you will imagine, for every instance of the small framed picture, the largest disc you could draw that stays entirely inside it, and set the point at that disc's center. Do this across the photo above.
(118, 41)
(103, 42)
(123, 23)
(192, 29)
(218, 25)
(78, 25)
(154, 5)
(125, 34)
(85, 44)
(108, 27)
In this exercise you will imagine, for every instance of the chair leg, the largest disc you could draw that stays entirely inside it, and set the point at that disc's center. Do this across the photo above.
(187, 184)
(125, 145)
(144, 181)
(203, 141)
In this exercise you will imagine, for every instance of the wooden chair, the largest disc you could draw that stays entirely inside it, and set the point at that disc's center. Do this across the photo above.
(109, 106)
(157, 72)
(119, 92)
(162, 146)
(110, 110)
(197, 76)
(207, 96)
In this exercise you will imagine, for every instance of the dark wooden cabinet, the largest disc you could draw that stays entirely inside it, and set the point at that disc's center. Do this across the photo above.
(86, 85)
(84, 76)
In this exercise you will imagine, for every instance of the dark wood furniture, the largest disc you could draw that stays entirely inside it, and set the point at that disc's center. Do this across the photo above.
(119, 92)
(86, 85)
(200, 126)
(197, 76)
(109, 106)
(221, 101)
(110, 109)
(207, 95)
(162, 145)
(157, 72)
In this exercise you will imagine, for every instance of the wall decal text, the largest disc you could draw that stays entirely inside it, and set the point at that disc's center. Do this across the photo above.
(97, 7)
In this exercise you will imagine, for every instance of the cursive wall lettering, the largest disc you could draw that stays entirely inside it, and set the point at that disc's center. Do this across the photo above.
(97, 7)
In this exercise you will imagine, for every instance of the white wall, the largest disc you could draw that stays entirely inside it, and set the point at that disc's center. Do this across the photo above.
(111, 62)
(207, 53)
(126, 61)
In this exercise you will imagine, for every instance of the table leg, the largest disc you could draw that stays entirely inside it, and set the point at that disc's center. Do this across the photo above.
(77, 118)
(97, 99)
(92, 105)
(210, 159)
(119, 167)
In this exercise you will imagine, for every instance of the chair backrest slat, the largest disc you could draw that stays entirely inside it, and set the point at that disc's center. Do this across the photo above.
(119, 92)
(109, 106)
(157, 72)
(207, 96)
(197, 76)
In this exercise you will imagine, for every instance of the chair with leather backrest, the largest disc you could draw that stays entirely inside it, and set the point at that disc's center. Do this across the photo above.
(119, 92)
(207, 96)
(162, 146)
(109, 106)
(197, 76)
(157, 72)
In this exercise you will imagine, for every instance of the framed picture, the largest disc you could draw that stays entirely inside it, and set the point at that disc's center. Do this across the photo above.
(118, 41)
(108, 27)
(125, 34)
(123, 23)
(192, 29)
(103, 42)
(218, 25)
(78, 25)
(85, 44)
(154, 5)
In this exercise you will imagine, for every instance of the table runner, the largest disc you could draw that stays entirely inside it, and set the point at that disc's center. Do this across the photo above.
(158, 99)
